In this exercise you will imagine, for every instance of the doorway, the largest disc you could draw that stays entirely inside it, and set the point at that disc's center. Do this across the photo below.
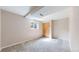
(46, 27)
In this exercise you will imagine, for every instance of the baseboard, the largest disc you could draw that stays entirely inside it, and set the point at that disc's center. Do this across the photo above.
(0, 49)
(16, 43)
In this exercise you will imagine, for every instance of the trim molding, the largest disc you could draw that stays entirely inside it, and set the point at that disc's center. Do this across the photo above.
(16, 43)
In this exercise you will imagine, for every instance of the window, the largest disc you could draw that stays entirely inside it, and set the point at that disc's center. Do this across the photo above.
(35, 25)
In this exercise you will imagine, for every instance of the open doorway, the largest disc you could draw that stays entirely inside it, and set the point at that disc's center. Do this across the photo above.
(57, 29)
(46, 29)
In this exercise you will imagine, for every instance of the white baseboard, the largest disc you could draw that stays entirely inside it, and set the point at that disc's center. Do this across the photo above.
(15, 44)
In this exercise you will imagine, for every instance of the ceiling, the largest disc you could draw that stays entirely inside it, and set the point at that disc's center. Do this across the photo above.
(41, 13)
(50, 12)
(20, 10)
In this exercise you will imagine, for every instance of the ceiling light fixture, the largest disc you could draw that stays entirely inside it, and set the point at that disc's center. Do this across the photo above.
(41, 14)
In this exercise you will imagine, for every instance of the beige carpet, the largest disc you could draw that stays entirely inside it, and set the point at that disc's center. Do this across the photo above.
(41, 45)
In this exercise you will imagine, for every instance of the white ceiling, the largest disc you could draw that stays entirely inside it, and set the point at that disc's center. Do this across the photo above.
(20, 10)
(57, 15)
(48, 12)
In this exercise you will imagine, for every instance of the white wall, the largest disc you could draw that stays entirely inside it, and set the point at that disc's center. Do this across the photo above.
(16, 29)
(61, 29)
(74, 28)
(0, 29)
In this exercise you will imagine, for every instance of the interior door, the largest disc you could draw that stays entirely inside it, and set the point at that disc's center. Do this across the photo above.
(45, 29)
